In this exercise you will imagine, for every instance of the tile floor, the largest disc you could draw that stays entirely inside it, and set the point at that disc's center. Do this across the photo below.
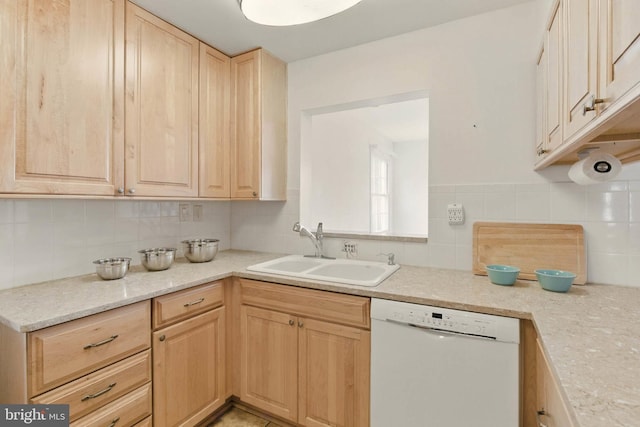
(236, 417)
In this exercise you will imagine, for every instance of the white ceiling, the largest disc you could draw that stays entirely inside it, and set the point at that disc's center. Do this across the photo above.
(221, 24)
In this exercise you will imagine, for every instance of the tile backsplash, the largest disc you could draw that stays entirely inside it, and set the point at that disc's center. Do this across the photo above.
(45, 239)
(609, 213)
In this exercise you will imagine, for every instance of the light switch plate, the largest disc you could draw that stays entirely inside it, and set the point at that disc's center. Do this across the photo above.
(455, 213)
(197, 213)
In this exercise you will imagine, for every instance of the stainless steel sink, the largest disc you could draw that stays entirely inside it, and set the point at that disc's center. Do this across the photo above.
(351, 272)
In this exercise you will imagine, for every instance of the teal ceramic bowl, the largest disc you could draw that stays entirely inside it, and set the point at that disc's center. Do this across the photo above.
(555, 280)
(502, 274)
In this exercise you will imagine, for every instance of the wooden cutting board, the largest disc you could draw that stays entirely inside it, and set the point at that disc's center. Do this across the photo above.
(530, 247)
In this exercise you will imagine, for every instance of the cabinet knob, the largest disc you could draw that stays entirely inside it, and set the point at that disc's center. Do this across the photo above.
(590, 105)
(132, 191)
(120, 190)
(291, 322)
(300, 324)
(254, 194)
(541, 151)
(162, 338)
(539, 414)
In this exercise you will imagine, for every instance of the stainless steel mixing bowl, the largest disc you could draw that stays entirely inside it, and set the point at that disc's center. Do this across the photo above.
(156, 259)
(112, 268)
(200, 250)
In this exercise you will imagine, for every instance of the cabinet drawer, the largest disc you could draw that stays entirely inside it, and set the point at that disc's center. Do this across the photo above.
(64, 352)
(92, 391)
(126, 411)
(338, 308)
(180, 305)
(144, 423)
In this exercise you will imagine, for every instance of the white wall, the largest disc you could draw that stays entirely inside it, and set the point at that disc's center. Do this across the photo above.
(479, 75)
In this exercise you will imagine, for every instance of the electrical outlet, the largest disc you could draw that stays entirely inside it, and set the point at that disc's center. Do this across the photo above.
(455, 212)
(185, 212)
(351, 249)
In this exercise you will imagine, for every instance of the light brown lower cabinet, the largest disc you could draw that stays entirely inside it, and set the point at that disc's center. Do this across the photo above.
(307, 370)
(551, 408)
(100, 365)
(125, 411)
(147, 422)
(189, 381)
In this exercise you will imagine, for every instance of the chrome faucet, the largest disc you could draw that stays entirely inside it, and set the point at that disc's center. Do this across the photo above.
(316, 238)
(391, 258)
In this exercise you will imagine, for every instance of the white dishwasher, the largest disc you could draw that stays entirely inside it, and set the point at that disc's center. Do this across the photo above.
(436, 367)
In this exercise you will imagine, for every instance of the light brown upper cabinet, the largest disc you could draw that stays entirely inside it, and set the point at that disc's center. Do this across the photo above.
(215, 74)
(620, 48)
(61, 116)
(541, 102)
(162, 66)
(258, 126)
(599, 106)
(580, 63)
(101, 98)
(554, 80)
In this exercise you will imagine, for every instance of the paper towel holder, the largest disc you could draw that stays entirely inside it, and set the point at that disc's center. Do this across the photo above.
(595, 166)
(600, 167)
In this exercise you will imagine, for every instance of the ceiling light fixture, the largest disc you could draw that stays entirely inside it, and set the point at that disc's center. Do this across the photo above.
(292, 12)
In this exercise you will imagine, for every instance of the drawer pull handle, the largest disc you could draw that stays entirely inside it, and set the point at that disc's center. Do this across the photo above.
(113, 423)
(100, 393)
(539, 414)
(103, 342)
(198, 301)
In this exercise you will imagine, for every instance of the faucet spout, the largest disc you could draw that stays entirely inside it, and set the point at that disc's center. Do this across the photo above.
(316, 238)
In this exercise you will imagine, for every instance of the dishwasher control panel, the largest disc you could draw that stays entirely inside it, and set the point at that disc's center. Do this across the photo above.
(445, 319)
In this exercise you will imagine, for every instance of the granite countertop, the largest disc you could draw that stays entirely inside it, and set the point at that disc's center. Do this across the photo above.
(591, 334)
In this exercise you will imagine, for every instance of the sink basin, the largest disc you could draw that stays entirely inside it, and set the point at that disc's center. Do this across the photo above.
(348, 271)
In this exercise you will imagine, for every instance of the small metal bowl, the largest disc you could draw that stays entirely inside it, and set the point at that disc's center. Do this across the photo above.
(112, 268)
(200, 250)
(157, 259)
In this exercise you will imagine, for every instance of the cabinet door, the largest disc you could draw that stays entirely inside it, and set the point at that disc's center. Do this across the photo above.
(215, 69)
(554, 80)
(580, 62)
(333, 375)
(161, 156)
(620, 47)
(541, 103)
(246, 125)
(269, 368)
(549, 397)
(189, 369)
(62, 96)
